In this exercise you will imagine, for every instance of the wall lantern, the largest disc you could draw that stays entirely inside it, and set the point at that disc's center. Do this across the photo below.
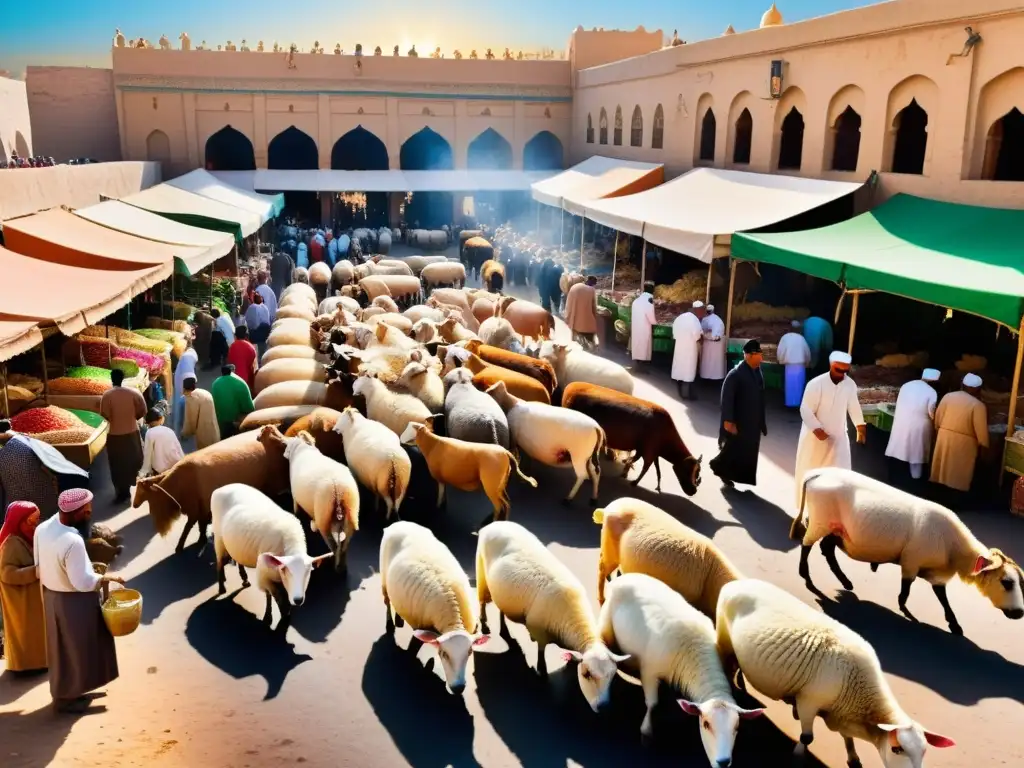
(775, 84)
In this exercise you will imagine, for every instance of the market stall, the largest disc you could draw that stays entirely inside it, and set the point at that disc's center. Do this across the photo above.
(197, 211)
(205, 184)
(931, 252)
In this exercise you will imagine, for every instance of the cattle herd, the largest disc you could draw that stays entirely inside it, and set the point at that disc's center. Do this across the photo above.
(377, 388)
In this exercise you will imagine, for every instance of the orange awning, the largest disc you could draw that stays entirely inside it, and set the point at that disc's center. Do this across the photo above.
(71, 297)
(60, 237)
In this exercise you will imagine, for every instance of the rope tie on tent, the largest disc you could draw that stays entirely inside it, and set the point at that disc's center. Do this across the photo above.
(839, 305)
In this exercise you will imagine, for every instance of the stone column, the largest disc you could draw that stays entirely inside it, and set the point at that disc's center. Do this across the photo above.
(259, 129)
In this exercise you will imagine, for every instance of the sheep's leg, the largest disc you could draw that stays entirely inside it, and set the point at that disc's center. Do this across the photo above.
(286, 610)
(483, 594)
(630, 461)
(643, 471)
(440, 494)
(189, 523)
(828, 548)
(657, 473)
(582, 473)
(807, 712)
(268, 614)
(243, 574)
(650, 686)
(905, 586)
(851, 753)
(203, 539)
(542, 661)
(221, 578)
(594, 473)
(940, 593)
(604, 575)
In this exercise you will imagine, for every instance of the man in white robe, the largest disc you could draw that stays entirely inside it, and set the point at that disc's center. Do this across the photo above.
(687, 334)
(713, 366)
(642, 322)
(912, 426)
(828, 400)
(795, 354)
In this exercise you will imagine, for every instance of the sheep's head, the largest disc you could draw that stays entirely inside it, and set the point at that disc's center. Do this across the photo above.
(1000, 579)
(453, 649)
(719, 723)
(903, 746)
(412, 429)
(688, 474)
(424, 330)
(272, 439)
(502, 396)
(365, 385)
(412, 374)
(458, 376)
(598, 666)
(473, 345)
(502, 306)
(346, 420)
(163, 508)
(292, 571)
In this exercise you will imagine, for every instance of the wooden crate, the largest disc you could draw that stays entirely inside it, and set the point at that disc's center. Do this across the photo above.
(84, 454)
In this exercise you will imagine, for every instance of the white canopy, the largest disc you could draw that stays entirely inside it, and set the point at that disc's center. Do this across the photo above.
(468, 181)
(171, 201)
(114, 214)
(205, 184)
(595, 178)
(685, 214)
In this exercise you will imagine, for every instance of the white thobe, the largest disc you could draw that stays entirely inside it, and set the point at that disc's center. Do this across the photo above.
(912, 426)
(687, 332)
(160, 452)
(826, 406)
(713, 366)
(642, 323)
(269, 299)
(186, 367)
(793, 350)
(227, 328)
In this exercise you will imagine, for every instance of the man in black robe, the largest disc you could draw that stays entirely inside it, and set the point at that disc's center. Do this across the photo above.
(742, 421)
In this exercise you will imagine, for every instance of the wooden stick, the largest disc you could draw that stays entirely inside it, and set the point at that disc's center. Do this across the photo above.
(732, 288)
(46, 378)
(855, 310)
(1014, 391)
(643, 266)
(711, 271)
(615, 258)
(7, 405)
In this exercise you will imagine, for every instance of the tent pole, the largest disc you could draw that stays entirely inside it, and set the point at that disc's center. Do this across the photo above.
(1014, 391)
(854, 311)
(561, 226)
(643, 266)
(711, 271)
(732, 288)
(583, 232)
(538, 220)
(46, 377)
(211, 285)
(615, 258)
(7, 404)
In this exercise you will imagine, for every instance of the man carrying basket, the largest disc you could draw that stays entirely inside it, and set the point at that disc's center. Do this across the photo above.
(79, 647)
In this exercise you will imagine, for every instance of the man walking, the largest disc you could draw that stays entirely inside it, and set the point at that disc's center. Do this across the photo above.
(642, 321)
(910, 440)
(961, 427)
(200, 416)
(122, 407)
(581, 312)
(687, 332)
(232, 400)
(742, 420)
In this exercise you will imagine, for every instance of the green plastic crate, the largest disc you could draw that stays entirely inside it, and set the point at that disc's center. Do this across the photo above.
(773, 375)
(662, 332)
(661, 344)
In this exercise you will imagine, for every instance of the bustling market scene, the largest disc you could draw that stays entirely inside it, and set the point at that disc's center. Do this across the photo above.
(371, 409)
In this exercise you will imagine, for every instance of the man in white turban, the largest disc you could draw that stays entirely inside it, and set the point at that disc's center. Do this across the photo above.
(713, 366)
(912, 428)
(961, 428)
(687, 334)
(827, 402)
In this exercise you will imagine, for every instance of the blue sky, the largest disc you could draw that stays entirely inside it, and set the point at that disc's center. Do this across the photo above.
(78, 32)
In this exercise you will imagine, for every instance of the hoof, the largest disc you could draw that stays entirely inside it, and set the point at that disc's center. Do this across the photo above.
(956, 629)
(245, 584)
(594, 502)
(874, 567)
(399, 621)
(847, 585)
(566, 502)
(854, 764)
(222, 590)
(635, 483)
(646, 740)
(179, 549)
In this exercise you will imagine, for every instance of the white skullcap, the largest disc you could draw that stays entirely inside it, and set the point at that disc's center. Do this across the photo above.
(795, 324)
(697, 304)
(972, 380)
(711, 307)
(840, 357)
(930, 374)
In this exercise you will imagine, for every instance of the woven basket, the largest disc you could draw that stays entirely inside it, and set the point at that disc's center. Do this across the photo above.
(122, 610)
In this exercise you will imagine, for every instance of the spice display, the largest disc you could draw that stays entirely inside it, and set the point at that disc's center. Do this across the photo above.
(756, 310)
(96, 351)
(691, 287)
(31, 383)
(66, 385)
(152, 364)
(770, 331)
(128, 339)
(47, 419)
(88, 372)
(66, 436)
(176, 340)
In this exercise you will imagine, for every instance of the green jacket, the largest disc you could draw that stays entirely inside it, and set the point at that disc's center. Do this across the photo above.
(231, 399)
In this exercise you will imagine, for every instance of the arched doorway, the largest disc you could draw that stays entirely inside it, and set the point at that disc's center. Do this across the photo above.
(791, 142)
(846, 150)
(295, 150)
(909, 149)
(158, 150)
(427, 150)
(360, 150)
(490, 151)
(1004, 148)
(21, 145)
(229, 150)
(744, 138)
(708, 130)
(544, 153)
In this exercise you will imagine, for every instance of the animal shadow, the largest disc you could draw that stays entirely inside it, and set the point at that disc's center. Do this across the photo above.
(429, 726)
(32, 739)
(766, 523)
(177, 577)
(952, 666)
(266, 651)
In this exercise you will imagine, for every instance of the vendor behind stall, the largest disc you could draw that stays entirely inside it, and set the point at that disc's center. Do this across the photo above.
(34, 471)
(687, 333)
(795, 354)
(713, 366)
(642, 321)
(912, 429)
(961, 427)
(818, 333)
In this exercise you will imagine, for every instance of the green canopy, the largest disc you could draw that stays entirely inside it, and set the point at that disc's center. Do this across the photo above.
(963, 257)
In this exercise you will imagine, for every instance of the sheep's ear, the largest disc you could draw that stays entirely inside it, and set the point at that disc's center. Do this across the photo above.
(480, 640)
(320, 558)
(429, 423)
(983, 564)
(749, 714)
(268, 560)
(938, 741)
(425, 636)
(689, 707)
(570, 656)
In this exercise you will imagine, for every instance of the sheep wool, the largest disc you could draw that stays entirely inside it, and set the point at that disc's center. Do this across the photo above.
(291, 393)
(450, 273)
(392, 409)
(472, 415)
(425, 385)
(637, 537)
(280, 415)
(288, 369)
(789, 651)
(528, 584)
(376, 458)
(670, 641)
(572, 363)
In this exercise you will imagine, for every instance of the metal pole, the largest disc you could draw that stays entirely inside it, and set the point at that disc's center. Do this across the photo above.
(538, 220)
(732, 287)
(615, 258)
(561, 226)
(853, 321)
(46, 378)
(583, 232)
(1014, 391)
(7, 404)
(211, 286)
(643, 265)
(711, 271)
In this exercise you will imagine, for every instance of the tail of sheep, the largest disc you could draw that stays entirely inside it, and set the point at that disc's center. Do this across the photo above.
(393, 488)
(798, 529)
(515, 464)
(599, 448)
(599, 516)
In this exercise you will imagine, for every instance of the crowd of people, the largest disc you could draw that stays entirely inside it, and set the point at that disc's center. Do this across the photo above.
(36, 161)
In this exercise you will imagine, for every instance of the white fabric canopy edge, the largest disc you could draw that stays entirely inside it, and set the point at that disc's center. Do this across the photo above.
(552, 191)
(166, 198)
(463, 180)
(205, 184)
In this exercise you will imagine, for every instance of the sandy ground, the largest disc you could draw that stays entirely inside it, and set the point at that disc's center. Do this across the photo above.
(203, 683)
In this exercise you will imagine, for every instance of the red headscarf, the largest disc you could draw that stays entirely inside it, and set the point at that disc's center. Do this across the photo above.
(17, 513)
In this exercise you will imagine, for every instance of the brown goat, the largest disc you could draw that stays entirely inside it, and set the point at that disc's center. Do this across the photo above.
(320, 425)
(641, 426)
(541, 370)
(486, 375)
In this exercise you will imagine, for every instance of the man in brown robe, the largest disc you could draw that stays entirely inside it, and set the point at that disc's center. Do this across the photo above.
(961, 429)
(123, 407)
(79, 647)
(581, 311)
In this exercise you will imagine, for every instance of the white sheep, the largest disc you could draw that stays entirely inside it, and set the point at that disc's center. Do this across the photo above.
(498, 332)
(385, 335)
(637, 537)
(668, 640)
(253, 531)
(343, 273)
(876, 523)
(448, 273)
(423, 312)
(424, 384)
(572, 363)
(424, 585)
(554, 436)
(528, 584)
(326, 491)
(395, 410)
(791, 652)
(376, 457)
(425, 331)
